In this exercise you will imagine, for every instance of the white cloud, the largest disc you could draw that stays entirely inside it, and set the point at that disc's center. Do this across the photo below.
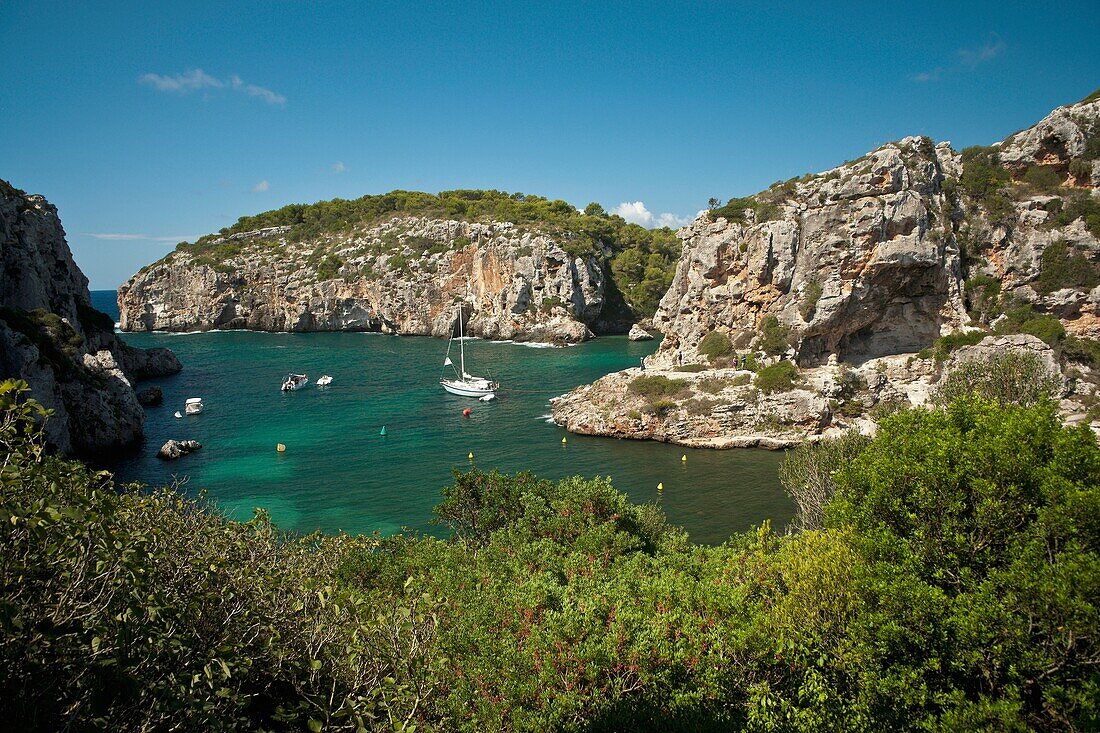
(195, 79)
(253, 90)
(927, 76)
(186, 82)
(636, 212)
(115, 237)
(261, 186)
(965, 59)
(991, 49)
(339, 167)
(672, 221)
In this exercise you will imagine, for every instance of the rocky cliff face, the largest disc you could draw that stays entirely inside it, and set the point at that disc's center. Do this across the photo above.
(861, 269)
(404, 275)
(51, 336)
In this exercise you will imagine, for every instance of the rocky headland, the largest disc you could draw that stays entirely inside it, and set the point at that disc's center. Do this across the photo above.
(800, 311)
(52, 337)
(523, 268)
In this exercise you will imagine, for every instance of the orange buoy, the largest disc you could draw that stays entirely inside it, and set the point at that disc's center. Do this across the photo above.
(466, 412)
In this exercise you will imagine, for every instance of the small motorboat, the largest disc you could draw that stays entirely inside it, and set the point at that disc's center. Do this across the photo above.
(178, 414)
(488, 397)
(324, 381)
(294, 381)
(193, 406)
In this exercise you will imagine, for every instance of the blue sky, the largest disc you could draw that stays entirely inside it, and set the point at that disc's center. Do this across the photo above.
(146, 123)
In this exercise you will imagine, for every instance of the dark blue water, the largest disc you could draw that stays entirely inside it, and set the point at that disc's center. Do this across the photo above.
(339, 473)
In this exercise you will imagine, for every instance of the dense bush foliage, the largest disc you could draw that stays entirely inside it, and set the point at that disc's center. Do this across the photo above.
(777, 377)
(953, 586)
(1013, 377)
(944, 345)
(715, 345)
(1063, 267)
(773, 338)
(656, 385)
(810, 295)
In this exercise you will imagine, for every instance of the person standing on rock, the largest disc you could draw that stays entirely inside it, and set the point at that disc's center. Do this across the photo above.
(642, 360)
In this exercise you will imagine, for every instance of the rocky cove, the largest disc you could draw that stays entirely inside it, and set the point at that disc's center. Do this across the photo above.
(788, 316)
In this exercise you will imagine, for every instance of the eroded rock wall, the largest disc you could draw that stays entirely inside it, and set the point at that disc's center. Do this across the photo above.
(404, 276)
(51, 337)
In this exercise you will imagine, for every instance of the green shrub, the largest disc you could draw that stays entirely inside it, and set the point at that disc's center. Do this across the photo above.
(734, 210)
(983, 296)
(1080, 169)
(983, 176)
(810, 295)
(773, 336)
(714, 345)
(329, 268)
(1074, 206)
(713, 385)
(779, 377)
(1043, 178)
(1063, 267)
(663, 406)
(944, 345)
(700, 406)
(656, 385)
(950, 586)
(57, 342)
(1082, 350)
(1021, 318)
(808, 475)
(1014, 377)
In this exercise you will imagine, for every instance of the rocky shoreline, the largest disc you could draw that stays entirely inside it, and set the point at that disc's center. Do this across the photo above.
(810, 308)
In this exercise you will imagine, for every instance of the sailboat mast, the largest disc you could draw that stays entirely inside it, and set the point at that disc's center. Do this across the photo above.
(461, 345)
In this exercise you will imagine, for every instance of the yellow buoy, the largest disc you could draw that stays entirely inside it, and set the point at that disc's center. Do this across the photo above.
(564, 440)
(661, 486)
(471, 456)
(280, 447)
(684, 458)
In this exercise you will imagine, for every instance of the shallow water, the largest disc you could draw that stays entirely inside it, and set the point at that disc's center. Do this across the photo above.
(339, 473)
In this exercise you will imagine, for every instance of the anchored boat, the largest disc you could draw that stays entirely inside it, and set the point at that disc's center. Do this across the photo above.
(464, 384)
(193, 406)
(294, 381)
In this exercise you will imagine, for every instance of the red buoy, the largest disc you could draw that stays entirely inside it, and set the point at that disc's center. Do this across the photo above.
(466, 412)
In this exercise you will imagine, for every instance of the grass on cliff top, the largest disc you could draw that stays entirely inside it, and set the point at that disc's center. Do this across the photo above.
(590, 229)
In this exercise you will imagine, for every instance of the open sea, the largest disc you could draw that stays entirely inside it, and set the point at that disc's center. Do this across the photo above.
(339, 472)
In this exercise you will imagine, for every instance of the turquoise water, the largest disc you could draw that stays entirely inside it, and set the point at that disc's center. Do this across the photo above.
(339, 473)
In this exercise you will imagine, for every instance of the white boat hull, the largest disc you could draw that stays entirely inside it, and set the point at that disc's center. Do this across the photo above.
(193, 409)
(292, 384)
(466, 388)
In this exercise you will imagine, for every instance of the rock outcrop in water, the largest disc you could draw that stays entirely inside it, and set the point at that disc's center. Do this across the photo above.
(872, 272)
(51, 336)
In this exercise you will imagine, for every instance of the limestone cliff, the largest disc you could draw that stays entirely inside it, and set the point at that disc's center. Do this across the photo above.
(871, 263)
(51, 336)
(399, 275)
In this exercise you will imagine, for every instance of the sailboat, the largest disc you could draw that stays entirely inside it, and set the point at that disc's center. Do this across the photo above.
(464, 384)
